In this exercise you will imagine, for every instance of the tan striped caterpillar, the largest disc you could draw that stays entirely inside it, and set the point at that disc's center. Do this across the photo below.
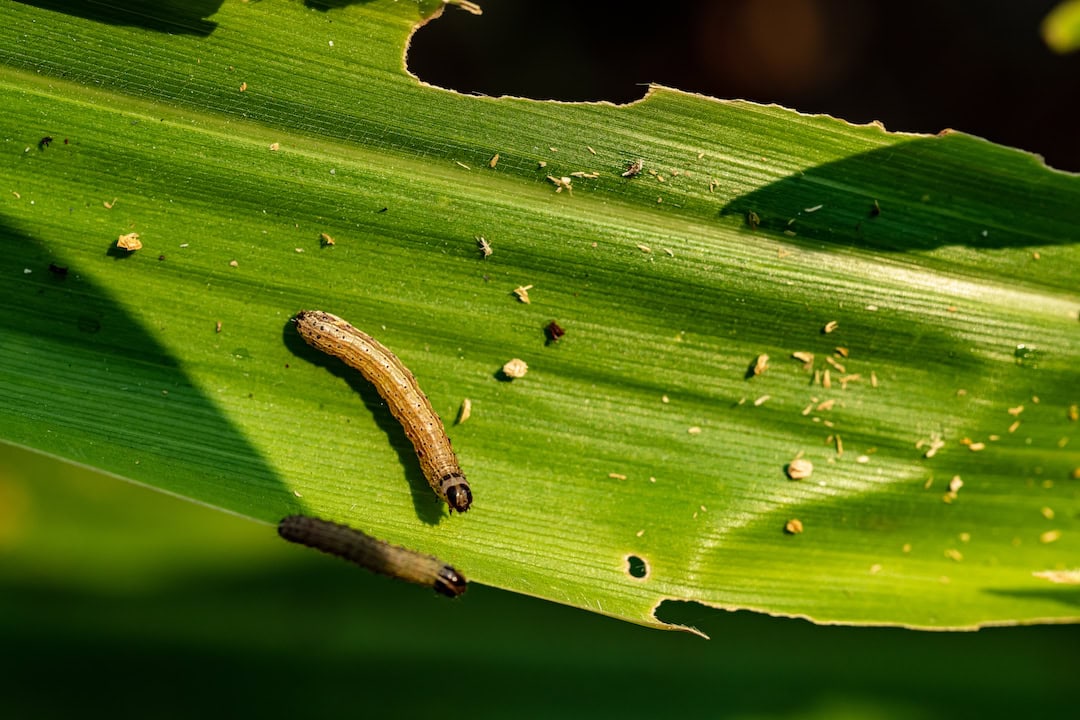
(375, 555)
(397, 386)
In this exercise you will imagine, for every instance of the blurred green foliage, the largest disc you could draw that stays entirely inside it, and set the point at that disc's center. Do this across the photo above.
(1061, 28)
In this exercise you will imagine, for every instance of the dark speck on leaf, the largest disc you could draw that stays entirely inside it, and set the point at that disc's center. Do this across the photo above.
(44, 142)
(553, 331)
(88, 324)
(58, 271)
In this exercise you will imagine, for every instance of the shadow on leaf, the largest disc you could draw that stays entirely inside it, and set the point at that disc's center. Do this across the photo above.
(917, 195)
(178, 17)
(66, 338)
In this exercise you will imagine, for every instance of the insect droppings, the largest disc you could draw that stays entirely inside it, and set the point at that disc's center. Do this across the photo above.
(954, 488)
(760, 365)
(562, 183)
(484, 246)
(935, 444)
(397, 386)
(375, 555)
(465, 412)
(515, 368)
(1050, 536)
(522, 293)
(799, 469)
(129, 242)
(1067, 577)
(634, 168)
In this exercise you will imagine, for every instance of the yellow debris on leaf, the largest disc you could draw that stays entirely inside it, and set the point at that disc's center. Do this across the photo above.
(515, 368)
(129, 242)
(465, 412)
(761, 364)
(522, 293)
(800, 469)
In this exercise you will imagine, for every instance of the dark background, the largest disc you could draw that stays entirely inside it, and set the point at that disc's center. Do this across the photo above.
(916, 65)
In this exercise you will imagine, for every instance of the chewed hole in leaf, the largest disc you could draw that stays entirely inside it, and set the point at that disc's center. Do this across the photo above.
(636, 567)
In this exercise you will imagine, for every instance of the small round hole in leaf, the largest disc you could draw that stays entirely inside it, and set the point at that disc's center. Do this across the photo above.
(636, 566)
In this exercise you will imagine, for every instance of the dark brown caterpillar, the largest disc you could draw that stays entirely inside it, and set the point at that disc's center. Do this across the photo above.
(403, 396)
(375, 555)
